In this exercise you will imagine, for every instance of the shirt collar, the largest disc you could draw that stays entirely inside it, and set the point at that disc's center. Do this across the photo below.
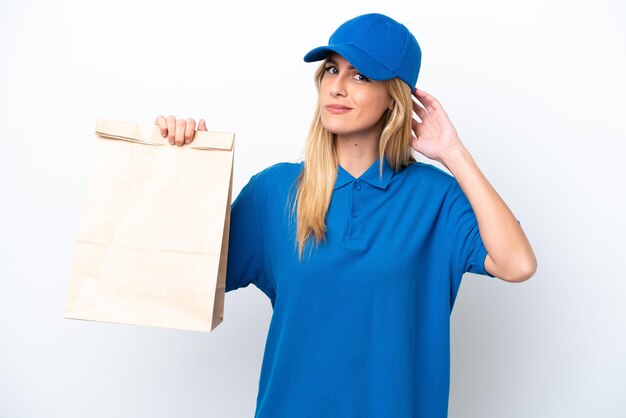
(370, 176)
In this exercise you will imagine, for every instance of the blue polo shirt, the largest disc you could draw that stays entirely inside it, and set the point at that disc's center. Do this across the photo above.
(361, 327)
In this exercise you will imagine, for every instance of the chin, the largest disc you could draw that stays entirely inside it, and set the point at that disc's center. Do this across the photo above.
(335, 127)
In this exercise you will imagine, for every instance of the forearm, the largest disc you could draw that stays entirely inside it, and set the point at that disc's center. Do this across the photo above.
(512, 257)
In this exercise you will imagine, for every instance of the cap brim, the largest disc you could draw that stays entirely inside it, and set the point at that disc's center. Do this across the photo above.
(365, 64)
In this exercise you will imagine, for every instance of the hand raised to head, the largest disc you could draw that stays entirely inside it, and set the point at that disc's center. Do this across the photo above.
(435, 135)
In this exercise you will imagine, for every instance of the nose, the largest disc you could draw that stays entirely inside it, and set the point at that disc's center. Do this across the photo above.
(338, 87)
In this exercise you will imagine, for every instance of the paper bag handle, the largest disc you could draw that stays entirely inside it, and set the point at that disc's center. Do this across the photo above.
(151, 135)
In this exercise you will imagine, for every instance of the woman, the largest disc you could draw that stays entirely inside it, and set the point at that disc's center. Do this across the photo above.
(360, 324)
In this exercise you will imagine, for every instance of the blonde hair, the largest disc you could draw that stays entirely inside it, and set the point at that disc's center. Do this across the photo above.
(316, 182)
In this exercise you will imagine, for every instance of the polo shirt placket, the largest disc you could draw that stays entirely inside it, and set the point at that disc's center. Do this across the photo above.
(361, 196)
(356, 224)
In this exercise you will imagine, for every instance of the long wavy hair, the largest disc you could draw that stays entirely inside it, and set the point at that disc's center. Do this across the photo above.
(316, 181)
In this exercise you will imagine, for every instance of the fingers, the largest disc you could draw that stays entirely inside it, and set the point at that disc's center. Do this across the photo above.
(179, 138)
(202, 125)
(419, 110)
(414, 126)
(178, 131)
(162, 124)
(171, 128)
(190, 129)
(429, 101)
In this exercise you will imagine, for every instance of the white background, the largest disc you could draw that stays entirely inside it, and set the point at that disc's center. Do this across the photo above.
(534, 88)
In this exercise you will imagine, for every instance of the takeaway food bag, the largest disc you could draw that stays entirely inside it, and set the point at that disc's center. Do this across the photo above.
(153, 233)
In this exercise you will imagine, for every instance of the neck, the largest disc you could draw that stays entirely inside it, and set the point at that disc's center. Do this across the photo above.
(357, 154)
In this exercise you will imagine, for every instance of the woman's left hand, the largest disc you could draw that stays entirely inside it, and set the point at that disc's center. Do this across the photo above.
(435, 136)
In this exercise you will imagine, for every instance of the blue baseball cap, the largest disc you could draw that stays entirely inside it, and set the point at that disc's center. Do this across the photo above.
(377, 46)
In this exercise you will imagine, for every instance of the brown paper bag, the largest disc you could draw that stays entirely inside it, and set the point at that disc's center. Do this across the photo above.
(153, 233)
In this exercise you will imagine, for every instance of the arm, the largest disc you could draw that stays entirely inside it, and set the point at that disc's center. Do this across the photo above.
(510, 256)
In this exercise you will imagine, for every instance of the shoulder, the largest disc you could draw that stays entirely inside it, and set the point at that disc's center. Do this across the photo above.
(429, 175)
(280, 170)
(279, 176)
(279, 173)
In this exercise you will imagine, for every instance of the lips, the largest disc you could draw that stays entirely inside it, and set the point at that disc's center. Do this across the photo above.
(337, 109)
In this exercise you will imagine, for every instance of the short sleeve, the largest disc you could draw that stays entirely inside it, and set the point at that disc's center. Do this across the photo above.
(467, 249)
(245, 243)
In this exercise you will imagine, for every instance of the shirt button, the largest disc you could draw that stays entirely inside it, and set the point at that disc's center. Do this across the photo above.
(357, 186)
(355, 214)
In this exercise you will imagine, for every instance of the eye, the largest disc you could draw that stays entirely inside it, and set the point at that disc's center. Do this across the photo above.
(331, 69)
(361, 77)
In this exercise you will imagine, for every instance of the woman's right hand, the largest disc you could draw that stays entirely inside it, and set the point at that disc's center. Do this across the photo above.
(178, 131)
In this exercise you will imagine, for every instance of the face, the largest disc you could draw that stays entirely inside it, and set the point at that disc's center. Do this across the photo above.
(350, 103)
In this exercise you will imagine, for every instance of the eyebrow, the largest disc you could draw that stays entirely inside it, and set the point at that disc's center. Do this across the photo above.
(332, 61)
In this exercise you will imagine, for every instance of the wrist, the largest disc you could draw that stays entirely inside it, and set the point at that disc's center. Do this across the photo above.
(454, 156)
